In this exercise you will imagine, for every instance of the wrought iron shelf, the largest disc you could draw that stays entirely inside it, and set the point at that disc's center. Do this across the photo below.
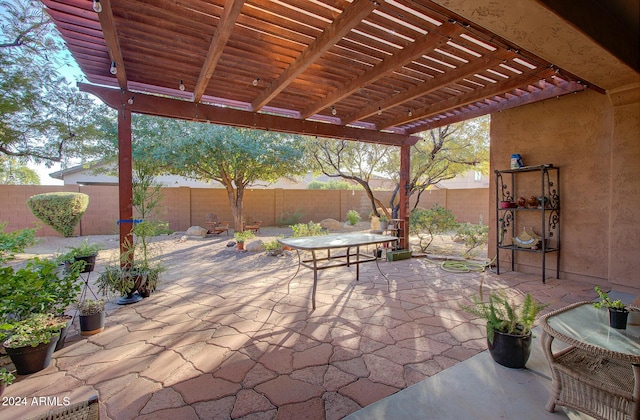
(541, 182)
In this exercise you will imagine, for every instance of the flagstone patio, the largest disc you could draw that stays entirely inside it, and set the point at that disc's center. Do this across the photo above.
(223, 337)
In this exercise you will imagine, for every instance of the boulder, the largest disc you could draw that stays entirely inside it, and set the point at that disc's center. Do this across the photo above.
(196, 231)
(330, 224)
(254, 246)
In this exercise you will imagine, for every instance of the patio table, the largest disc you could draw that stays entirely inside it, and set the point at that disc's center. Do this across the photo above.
(314, 244)
(599, 372)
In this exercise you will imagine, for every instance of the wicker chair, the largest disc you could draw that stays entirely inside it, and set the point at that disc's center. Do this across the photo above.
(83, 410)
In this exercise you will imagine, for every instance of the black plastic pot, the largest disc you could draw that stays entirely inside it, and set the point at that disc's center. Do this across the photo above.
(32, 359)
(91, 324)
(89, 263)
(510, 350)
(618, 318)
(63, 334)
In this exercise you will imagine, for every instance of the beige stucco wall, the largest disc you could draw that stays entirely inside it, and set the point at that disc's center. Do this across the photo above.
(596, 146)
(594, 138)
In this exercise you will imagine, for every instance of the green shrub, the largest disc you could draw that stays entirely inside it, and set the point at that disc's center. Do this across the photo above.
(40, 287)
(60, 210)
(330, 185)
(290, 218)
(428, 223)
(353, 217)
(472, 235)
(307, 229)
(16, 241)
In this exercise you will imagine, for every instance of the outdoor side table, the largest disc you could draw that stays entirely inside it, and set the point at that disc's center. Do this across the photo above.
(599, 372)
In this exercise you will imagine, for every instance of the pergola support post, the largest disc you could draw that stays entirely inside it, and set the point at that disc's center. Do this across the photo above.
(405, 163)
(125, 186)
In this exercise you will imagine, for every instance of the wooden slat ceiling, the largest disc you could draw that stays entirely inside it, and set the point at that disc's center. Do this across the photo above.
(397, 66)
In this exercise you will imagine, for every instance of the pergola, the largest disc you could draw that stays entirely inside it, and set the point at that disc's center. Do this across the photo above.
(372, 71)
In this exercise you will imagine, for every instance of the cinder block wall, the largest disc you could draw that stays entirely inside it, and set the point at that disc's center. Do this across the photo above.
(183, 207)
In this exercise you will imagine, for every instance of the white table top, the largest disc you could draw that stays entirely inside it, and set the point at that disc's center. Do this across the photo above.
(340, 240)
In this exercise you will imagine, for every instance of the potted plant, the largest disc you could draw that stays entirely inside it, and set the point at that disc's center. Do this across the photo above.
(6, 379)
(39, 287)
(84, 252)
(31, 342)
(122, 281)
(91, 316)
(618, 312)
(242, 237)
(384, 221)
(508, 326)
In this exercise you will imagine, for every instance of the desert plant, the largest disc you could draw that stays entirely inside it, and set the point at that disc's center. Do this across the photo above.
(428, 223)
(307, 229)
(244, 236)
(472, 235)
(607, 302)
(290, 218)
(90, 307)
(353, 217)
(39, 287)
(114, 280)
(505, 315)
(60, 210)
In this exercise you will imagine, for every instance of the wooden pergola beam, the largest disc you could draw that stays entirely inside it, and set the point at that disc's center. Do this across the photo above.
(112, 40)
(173, 108)
(341, 26)
(225, 27)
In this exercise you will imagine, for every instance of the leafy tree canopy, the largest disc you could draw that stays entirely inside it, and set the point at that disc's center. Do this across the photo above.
(14, 172)
(42, 117)
(235, 157)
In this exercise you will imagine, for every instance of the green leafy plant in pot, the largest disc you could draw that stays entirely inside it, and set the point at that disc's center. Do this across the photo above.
(242, 237)
(91, 316)
(39, 287)
(31, 342)
(508, 326)
(85, 253)
(618, 311)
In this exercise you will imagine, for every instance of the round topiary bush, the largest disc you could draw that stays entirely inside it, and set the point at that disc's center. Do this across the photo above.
(60, 210)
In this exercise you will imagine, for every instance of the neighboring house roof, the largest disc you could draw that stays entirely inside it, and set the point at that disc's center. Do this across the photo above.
(96, 174)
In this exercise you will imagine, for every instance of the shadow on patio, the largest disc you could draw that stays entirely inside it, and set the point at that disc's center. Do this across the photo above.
(221, 338)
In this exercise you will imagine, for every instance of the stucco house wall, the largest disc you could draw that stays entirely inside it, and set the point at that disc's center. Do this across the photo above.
(594, 137)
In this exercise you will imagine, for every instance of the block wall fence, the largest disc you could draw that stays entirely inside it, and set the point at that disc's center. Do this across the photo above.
(183, 207)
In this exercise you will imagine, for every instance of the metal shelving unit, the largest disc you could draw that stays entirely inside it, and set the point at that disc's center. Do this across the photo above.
(546, 215)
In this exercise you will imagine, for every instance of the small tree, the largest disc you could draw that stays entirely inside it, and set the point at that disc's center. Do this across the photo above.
(472, 235)
(16, 241)
(428, 223)
(60, 210)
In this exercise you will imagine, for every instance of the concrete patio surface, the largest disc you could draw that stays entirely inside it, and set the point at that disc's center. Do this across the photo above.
(223, 337)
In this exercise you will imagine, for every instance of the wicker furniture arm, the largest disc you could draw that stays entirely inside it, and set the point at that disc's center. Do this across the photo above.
(602, 380)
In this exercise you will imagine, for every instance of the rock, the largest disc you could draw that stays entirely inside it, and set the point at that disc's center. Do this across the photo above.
(254, 246)
(184, 238)
(331, 224)
(230, 244)
(196, 231)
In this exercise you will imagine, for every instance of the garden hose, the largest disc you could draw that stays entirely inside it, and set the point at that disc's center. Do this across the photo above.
(462, 266)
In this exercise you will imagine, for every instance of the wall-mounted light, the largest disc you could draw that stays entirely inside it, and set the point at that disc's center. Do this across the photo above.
(333, 110)
(181, 86)
(130, 101)
(379, 111)
(97, 6)
(255, 81)
(113, 69)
